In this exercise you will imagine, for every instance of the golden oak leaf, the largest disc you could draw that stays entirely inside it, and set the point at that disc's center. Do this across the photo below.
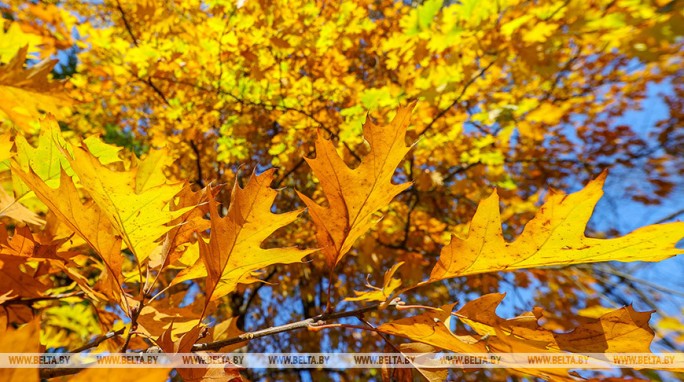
(429, 374)
(225, 329)
(156, 317)
(390, 284)
(136, 201)
(234, 251)
(620, 331)
(13, 37)
(13, 209)
(154, 322)
(25, 93)
(23, 340)
(184, 227)
(46, 159)
(555, 236)
(355, 195)
(86, 219)
(623, 330)
(432, 328)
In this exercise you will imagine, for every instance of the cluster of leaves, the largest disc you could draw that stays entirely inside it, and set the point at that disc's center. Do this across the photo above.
(102, 251)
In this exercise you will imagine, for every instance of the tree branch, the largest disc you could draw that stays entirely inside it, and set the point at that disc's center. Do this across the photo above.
(30, 301)
(458, 99)
(309, 322)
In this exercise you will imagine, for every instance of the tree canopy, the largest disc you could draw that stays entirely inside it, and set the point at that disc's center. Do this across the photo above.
(181, 174)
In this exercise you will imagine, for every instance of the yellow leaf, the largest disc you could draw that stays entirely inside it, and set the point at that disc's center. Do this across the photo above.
(12, 39)
(622, 330)
(389, 285)
(355, 195)
(6, 144)
(555, 236)
(46, 160)
(27, 92)
(540, 32)
(234, 251)
(135, 201)
(87, 220)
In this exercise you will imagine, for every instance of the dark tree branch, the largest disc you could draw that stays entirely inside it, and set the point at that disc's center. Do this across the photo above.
(198, 162)
(471, 81)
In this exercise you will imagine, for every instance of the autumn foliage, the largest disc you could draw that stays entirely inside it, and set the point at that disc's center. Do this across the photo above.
(378, 175)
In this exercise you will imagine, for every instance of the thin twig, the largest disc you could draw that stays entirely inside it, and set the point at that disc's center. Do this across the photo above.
(30, 301)
(458, 99)
(98, 340)
(308, 323)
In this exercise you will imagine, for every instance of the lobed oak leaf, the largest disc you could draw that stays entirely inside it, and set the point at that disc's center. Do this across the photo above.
(27, 92)
(234, 250)
(555, 236)
(228, 328)
(136, 201)
(46, 160)
(355, 195)
(87, 220)
(623, 330)
(159, 315)
(185, 227)
(427, 373)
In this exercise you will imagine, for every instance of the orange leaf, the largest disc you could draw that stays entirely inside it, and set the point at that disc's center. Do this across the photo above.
(87, 220)
(355, 195)
(234, 251)
(623, 330)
